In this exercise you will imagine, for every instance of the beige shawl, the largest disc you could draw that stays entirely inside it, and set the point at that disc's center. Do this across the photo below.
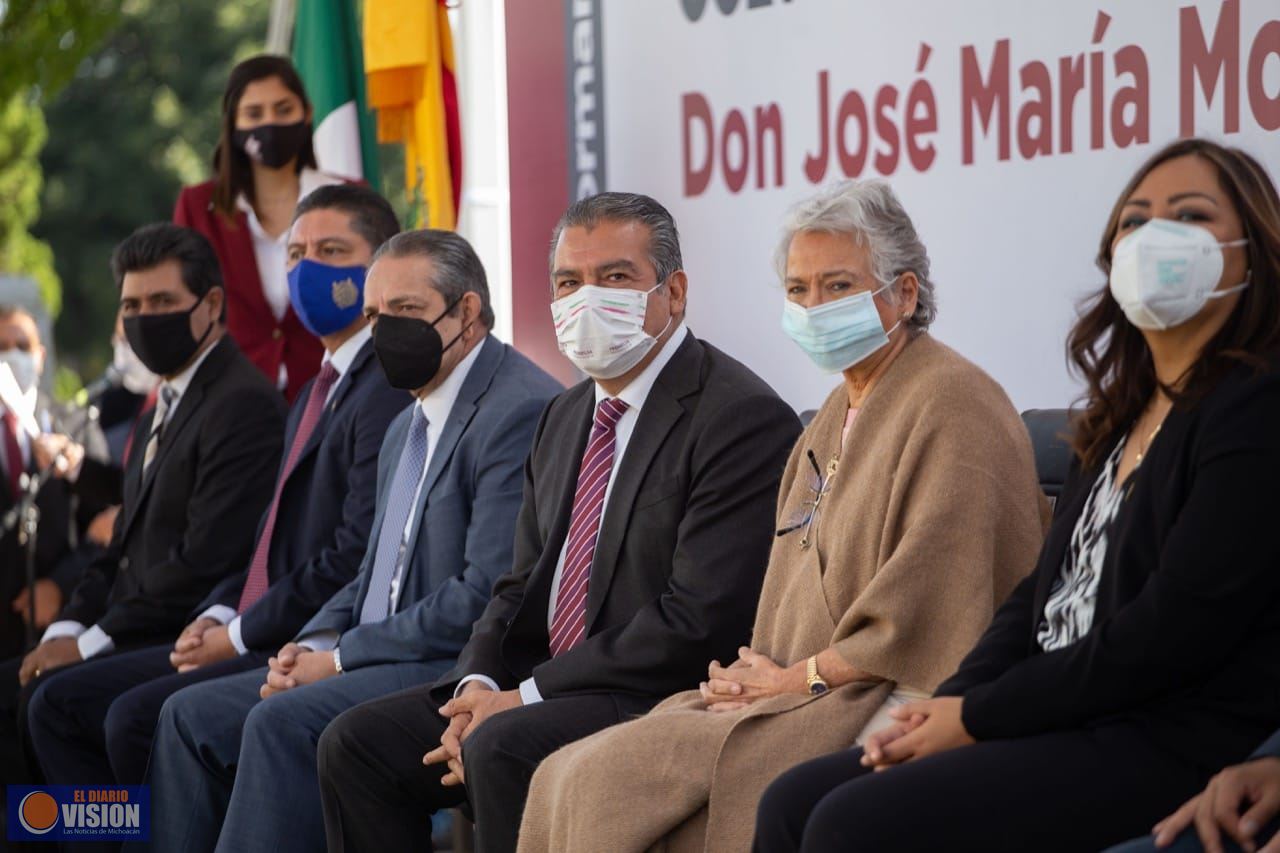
(934, 513)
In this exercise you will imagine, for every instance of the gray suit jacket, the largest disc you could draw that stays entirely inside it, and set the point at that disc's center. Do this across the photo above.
(464, 527)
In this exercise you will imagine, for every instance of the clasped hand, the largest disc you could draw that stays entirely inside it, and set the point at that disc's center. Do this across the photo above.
(751, 677)
(466, 713)
(922, 729)
(201, 643)
(294, 666)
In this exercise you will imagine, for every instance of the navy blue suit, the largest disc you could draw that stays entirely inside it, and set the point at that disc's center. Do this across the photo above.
(219, 748)
(325, 510)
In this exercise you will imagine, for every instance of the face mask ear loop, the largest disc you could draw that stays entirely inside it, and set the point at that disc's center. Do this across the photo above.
(461, 331)
(209, 328)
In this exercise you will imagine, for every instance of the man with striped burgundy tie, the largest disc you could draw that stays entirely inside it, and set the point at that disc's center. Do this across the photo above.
(639, 554)
(309, 541)
(449, 478)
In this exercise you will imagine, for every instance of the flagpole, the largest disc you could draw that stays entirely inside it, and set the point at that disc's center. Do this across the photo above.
(280, 26)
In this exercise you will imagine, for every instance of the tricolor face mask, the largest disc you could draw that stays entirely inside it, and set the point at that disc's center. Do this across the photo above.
(1164, 272)
(601, 329)
(837, 335)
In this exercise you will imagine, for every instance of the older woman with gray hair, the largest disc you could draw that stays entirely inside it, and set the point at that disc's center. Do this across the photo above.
(908, 510)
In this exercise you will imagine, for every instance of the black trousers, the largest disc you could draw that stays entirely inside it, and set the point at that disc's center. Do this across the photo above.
(17, 761)
(378, 795)
(93, 723)
(1069, 791)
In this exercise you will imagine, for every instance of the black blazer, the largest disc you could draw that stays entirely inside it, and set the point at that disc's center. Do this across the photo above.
(1187, 623)
(190, 522)
(326, 506)
(63, 517)
(683, 543)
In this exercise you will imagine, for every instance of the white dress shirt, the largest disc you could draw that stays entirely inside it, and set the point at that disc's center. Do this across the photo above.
(634, 395)
(437, 406)
(341, 359)
(94, 641)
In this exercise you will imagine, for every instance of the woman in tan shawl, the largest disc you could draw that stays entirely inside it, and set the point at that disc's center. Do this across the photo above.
(907, 512)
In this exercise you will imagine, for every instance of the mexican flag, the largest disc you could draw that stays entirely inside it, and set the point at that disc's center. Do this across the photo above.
(328, 53)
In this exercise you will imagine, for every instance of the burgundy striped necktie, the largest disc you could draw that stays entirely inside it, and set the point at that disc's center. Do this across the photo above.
(257, 581)
(570, 622)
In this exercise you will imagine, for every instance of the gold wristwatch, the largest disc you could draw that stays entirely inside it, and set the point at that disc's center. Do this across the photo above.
(817, 685)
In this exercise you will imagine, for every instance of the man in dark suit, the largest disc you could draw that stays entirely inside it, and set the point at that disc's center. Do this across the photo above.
(234, 760)
(24, 412)
(310, 540)
(194, 492)
(640, 550)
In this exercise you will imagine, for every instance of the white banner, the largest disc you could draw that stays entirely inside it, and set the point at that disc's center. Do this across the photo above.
(1007, 127)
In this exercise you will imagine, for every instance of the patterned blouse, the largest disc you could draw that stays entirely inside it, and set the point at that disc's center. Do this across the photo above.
(1068, 614)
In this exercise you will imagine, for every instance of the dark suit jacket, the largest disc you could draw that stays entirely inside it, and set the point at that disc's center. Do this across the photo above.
(63, 517)
(464, 523)
(266, 341)
(683, 543)
(190, 522)
(1187, 621)
(326, 506)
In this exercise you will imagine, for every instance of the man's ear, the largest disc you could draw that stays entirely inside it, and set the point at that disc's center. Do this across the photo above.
(678, 292)
(216, 297)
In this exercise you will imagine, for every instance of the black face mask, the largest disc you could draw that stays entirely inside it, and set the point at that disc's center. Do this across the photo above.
(163, 342)
(410, 350)
(272, 145)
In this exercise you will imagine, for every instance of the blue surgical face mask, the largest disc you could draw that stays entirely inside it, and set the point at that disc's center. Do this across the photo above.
(326, 299)
(837, 335)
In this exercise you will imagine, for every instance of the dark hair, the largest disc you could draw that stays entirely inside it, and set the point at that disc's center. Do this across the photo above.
(664, 239)
(458, 269)
(152, 245)
(232, 171)
(371, 214)
(1111, 354)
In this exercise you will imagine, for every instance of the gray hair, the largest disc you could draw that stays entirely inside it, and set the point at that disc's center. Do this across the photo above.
(870, 213)
(458, 269)
(664, 239)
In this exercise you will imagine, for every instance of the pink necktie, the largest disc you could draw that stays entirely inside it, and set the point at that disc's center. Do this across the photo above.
(570, 622)
(256, 583)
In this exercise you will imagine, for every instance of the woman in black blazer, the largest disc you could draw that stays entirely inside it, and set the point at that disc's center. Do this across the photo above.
(1143, 653)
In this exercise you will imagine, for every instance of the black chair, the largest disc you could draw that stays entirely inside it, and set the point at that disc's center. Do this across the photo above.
(1048, 429)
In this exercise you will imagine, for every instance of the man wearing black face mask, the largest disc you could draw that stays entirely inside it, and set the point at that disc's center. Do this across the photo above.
(196, 488)
(450, 479)
(310, 541)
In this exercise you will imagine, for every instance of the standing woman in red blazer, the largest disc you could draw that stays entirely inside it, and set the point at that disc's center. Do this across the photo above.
(264, 164)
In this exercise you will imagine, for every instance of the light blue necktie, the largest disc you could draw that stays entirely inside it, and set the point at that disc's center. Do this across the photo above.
(392, 548)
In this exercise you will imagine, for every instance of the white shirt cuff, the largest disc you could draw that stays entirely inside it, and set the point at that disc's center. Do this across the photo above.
(233, 633)
(220, 613)
(65, 628)
(483, 679)
(529, 694)
(320, 641)
(94, 642)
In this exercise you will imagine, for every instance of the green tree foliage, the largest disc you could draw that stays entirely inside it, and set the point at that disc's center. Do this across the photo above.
(138, 120)
(22, 132)
(42, 41)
